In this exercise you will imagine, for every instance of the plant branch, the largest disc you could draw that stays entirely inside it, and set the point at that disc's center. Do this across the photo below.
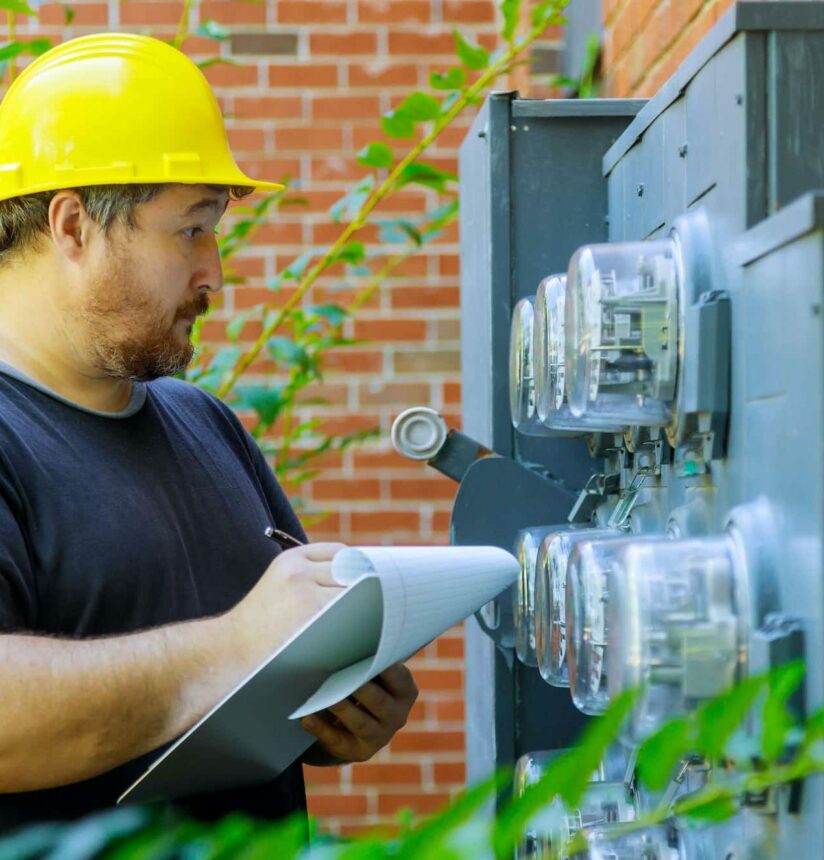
(359, 221)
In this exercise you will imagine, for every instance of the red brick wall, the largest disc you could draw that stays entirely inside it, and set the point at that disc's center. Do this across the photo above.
(311, 80)
(646, 40)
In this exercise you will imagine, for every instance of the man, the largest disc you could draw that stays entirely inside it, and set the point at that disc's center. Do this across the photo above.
(136, 584)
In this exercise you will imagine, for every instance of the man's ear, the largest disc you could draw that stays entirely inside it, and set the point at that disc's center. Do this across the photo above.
(71, 227)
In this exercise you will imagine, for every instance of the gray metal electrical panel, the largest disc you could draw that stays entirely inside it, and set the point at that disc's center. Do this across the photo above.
(721, 177)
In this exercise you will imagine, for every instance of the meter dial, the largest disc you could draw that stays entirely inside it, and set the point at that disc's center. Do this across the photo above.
(549, 348)
(677, 624)
(622, 331)
(662, 842)
(550, 600)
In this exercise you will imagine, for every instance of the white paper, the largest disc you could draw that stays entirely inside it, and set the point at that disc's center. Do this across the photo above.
(426, 590)
(397, 600)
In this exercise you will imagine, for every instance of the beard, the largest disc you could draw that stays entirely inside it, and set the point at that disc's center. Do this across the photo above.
(130, 334)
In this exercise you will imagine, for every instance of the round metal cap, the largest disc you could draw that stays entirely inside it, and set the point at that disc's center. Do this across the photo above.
(419, 433)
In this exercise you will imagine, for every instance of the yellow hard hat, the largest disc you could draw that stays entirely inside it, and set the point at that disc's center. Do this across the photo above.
(113, 109)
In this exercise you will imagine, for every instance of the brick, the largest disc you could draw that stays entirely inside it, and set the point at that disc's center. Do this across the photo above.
(449, 772)
(337, 804)
(303, 139)
(449, 712)
(432, 488)
(446, 330)
(279, 232)
(344, 424)
(150, 12)
(245, 139)
(439, 679)
(301, 75)
(386, 521)
(343, 44)
(428, 44)
(335, 167)
(393, 11)
(270, 169)
(316, 12)
(452, 392)
(236, 12)
(321, 776)
(332, 488)
(85, 15)
(425, 297)
(441, 521)
(225, 75)
(369, 773)
(390, 330)
(390, 803)
(345, 107)
(468, 11)
(267, 107)
(427, 361)
(402, 394)
(383, 73)
(450, 647)
(264, 43)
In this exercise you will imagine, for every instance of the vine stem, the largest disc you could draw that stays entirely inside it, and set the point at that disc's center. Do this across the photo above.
(12, 22)
(183, 26)
(359, 221)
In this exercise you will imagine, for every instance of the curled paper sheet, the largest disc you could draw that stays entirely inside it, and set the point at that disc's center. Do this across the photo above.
(396, 600)
(425, 591)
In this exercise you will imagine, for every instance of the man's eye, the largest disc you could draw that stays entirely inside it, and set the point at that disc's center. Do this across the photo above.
(191, 232)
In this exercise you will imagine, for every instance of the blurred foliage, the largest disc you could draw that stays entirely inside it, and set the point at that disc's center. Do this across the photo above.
(749, 737)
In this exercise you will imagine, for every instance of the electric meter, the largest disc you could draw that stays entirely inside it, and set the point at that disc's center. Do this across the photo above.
(550, 600)
(522, 371)
(523, 595)
(677, 615)
(549, 352)
(586, 620)
(662, 842)
(622, 331)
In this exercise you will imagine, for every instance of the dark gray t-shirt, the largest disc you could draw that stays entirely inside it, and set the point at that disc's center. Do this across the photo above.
(112, 523)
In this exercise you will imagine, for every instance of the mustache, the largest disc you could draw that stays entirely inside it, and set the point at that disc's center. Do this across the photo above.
(195, 308)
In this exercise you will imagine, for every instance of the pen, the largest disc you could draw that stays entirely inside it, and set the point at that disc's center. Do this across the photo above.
(281, 537)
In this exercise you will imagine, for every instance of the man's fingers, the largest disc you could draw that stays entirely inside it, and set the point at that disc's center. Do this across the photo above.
(321, 551)
(357, 721)
(398, 681)
(375, 699)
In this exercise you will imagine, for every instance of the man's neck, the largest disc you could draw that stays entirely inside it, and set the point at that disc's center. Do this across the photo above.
(34, 343)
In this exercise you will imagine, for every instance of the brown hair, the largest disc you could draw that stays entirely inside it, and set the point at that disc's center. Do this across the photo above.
(24, 220)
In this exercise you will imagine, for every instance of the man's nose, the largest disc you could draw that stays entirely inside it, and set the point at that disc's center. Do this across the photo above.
(209, 275)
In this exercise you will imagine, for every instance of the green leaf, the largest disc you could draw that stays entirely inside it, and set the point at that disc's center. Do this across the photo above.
(31, 842)
(68, 15)
(661, 752)
(288, 352)
(397, 126)
(267, 403)
(472, 56)
(777, 720)
(333, 314)
(548, 12)
(419, 107)
(212, 30)
(510, 10)
(17, 6)
(376, 155)
(718, 718)
(14, 49)
(352, 253)
(428, 175)
(715, 803)
(451, 79)
(592, 746)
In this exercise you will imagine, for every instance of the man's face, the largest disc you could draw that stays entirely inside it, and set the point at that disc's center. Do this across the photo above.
(149, 283)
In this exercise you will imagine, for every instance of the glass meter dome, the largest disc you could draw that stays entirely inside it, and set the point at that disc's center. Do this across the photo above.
(622, 331)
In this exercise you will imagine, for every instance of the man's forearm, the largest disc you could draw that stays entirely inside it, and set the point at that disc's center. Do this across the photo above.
(72, 709)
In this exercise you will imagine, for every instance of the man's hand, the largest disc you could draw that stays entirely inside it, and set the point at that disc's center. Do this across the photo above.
(355, 729)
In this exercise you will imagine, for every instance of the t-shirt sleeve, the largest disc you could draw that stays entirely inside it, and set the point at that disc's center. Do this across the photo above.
(18, 592)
